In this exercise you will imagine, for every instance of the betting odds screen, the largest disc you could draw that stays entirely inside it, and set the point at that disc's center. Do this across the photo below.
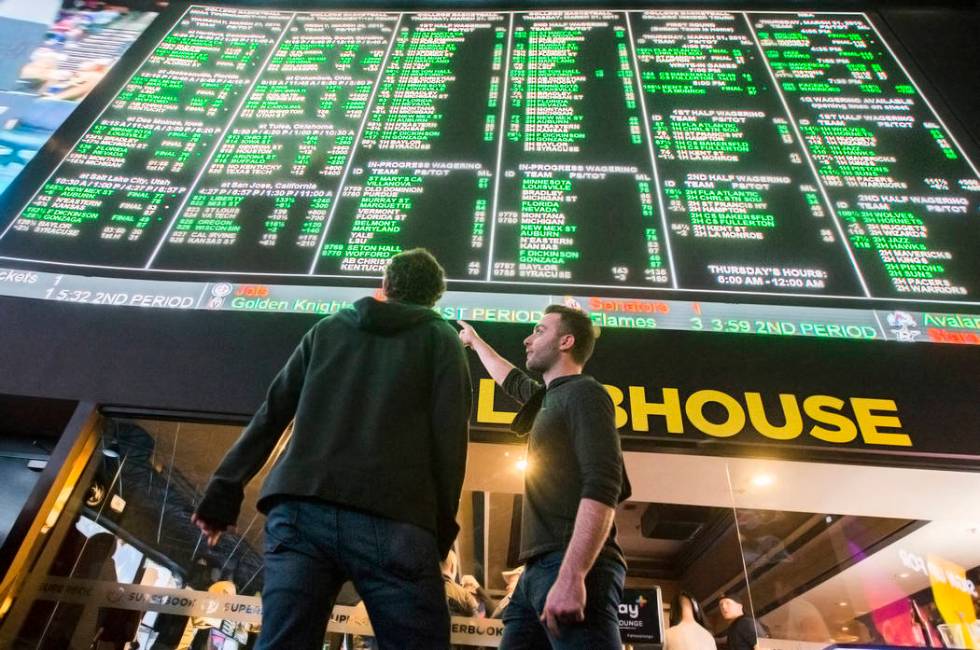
(763, 172)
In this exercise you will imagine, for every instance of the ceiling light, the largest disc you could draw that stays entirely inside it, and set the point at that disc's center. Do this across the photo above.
(763, 480)
(844, 628)
(521, 464)
(903, 575)
(842, 603)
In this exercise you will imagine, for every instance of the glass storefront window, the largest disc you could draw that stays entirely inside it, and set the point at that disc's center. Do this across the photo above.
(132, 528)
(817, 554)
(857, 555)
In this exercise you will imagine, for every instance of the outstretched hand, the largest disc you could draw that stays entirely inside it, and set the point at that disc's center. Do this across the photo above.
(468, 335)
(212, 532)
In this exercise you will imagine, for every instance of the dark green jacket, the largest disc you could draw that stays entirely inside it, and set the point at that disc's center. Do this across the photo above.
(381, 400)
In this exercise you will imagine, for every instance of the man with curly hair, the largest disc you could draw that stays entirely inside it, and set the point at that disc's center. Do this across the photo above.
(368, 485)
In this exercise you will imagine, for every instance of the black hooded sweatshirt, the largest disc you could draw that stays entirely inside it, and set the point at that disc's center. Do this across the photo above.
(380, 395)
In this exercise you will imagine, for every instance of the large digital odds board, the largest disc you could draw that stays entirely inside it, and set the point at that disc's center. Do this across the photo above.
(763, 172)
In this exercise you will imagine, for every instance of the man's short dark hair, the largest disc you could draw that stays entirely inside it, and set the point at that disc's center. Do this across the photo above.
(577, 323)
(735, 594)
(415, 276)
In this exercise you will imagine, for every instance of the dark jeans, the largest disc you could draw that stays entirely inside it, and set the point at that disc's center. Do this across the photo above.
(312, 548)
(523, 629)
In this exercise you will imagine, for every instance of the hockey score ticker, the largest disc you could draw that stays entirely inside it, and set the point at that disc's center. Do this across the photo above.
(568, 152)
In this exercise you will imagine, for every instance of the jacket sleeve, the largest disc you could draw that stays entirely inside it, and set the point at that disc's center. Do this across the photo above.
(596, 442)
(223, 497)
(452, 396)
(520, 386)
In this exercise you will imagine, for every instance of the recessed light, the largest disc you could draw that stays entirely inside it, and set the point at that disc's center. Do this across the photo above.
(842, 603)
(521, 464)
(763, 480)
(903, 575)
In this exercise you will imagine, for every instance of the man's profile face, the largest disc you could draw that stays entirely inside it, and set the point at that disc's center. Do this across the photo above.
(542, 346)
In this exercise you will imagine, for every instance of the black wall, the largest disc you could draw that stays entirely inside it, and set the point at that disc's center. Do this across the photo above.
(943, 45)
(218, 365)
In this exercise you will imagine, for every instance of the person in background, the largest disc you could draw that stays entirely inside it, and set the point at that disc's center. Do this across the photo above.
(687, 630)
(743, 630)
(460, 601)
(569, 594)
(368, 485)
(511, 578)
(485, 602)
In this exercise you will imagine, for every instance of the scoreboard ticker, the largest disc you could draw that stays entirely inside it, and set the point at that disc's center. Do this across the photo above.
(540, 155)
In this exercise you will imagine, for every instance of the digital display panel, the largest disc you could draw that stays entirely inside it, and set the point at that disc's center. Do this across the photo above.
(579, 154)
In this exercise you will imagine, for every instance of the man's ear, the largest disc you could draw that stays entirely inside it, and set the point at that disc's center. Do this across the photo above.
(566, 342)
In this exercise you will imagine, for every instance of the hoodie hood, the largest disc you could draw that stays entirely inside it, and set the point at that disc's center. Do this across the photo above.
(379, 317)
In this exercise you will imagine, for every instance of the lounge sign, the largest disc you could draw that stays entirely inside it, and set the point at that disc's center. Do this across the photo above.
(641, 616)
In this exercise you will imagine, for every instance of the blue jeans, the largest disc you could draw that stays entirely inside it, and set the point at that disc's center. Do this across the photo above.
(523, 629)
(313, 547)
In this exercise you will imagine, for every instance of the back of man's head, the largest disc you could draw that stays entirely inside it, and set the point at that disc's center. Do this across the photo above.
(415, 276)
(577, 323)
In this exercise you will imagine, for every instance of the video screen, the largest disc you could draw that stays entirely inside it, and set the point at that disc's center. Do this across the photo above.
(619, 160)
(53, 58)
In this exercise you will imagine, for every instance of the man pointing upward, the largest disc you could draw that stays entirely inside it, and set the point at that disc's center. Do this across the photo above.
(568, 596)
